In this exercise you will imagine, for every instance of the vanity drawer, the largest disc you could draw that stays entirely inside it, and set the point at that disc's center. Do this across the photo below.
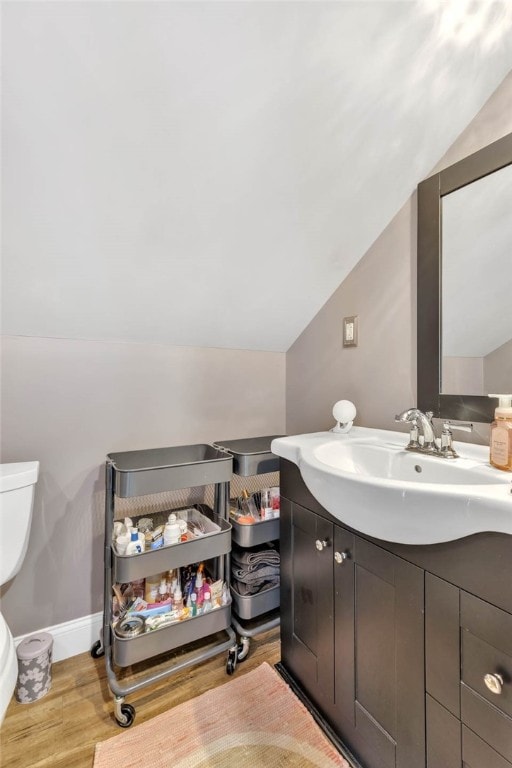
(487, 721)
(477, 754)
(486, 649)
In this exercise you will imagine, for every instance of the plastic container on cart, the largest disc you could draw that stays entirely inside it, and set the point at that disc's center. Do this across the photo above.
(251, 606)
(252, 455)
(156, 470)
(212, 544)
(129, 651)
(250, 535)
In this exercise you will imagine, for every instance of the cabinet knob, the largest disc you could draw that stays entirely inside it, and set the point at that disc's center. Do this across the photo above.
(321, 545)
(494, 682)
(340, 557)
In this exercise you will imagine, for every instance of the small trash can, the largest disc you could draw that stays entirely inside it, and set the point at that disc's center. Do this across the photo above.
(34, 667)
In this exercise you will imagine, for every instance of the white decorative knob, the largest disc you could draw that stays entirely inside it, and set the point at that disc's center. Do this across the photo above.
(494, 683)
(344, 412)
(340, 557)
(320, 545)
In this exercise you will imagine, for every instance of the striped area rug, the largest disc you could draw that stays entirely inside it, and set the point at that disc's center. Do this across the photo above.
(253, 721)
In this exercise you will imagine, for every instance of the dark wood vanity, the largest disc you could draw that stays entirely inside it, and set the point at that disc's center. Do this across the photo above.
(397, 646)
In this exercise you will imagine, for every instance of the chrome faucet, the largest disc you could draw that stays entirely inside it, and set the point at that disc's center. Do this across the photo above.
(422, 438)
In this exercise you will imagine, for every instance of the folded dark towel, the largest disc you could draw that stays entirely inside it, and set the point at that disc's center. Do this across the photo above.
(252, 559)
(259, 574)
(247, 590)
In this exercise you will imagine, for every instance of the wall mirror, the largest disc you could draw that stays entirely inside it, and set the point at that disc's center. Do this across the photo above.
(465, 285)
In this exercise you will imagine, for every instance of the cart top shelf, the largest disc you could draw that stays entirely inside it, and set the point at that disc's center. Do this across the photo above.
(252, 455)
(137, 473)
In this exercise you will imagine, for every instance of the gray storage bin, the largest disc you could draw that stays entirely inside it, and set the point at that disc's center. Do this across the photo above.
(250, 606)
(155, 470)
(130, 651)
(34, 667)
(132, 567)
(251, 455)
(256, 533)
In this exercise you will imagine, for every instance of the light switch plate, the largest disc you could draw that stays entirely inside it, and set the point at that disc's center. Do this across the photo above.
(350, 331)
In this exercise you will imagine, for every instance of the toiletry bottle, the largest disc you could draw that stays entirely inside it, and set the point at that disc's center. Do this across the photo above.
(122, 542)
(183, 530)
(151, 587)
(199, 586)
(163, 593)
(266, 504)
(501, 434)
(207, 602)
(172, 532)
(193, 604)
(178, 601)
(134, 546)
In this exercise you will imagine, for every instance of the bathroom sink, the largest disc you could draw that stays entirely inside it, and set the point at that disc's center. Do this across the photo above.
(367, 480)
(389, 461)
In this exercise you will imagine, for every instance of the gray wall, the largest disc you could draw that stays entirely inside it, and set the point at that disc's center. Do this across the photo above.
(379, 375)
(462, 376)
(498, 370)
(67, 403)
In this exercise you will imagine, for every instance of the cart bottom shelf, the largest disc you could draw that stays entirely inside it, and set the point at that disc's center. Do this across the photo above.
(149, 644)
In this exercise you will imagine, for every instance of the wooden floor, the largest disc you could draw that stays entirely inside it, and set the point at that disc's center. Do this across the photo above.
(62, 728)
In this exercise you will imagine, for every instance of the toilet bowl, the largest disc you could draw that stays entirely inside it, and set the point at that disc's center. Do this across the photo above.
(17, 483)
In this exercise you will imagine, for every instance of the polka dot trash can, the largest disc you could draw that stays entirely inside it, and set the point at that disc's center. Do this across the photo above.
(34, 667)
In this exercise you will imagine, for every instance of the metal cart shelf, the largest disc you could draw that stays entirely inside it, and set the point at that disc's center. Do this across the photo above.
(138, 473)
(252, 615)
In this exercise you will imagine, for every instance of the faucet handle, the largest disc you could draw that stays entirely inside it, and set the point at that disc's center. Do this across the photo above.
(447, 450)
(464, 426)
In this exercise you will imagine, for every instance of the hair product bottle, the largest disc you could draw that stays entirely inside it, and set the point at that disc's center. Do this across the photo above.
(501, 434)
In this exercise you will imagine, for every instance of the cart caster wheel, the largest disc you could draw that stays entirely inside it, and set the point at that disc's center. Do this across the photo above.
(128, 713)
(231, 663)
(97, 651)
(242, 653)
(243, 649)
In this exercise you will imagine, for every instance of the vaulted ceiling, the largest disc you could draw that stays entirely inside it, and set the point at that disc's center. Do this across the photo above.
(207, 173)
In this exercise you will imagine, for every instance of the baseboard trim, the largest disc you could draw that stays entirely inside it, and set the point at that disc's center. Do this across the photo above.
(71, 637)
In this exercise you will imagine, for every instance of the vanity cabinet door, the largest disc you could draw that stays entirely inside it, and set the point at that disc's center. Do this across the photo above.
(469, 672)
(307, 635)
(382, 701)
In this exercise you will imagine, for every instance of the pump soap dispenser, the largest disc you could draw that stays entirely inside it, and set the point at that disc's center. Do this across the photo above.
(501, 434)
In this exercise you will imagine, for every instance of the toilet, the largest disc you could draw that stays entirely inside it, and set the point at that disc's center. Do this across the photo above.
(17, 483)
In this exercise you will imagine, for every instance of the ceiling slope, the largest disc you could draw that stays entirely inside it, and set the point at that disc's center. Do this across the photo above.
(208, 173)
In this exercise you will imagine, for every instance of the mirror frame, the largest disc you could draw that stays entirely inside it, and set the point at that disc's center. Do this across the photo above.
(430, 193)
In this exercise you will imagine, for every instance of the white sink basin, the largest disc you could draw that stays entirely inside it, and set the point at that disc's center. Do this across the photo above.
(367, 480)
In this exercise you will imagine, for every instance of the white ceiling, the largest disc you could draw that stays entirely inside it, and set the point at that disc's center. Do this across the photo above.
(208, 173)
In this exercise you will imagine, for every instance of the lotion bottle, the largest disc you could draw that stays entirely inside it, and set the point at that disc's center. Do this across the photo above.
(501, 434)
(172, 532)
(134, 546)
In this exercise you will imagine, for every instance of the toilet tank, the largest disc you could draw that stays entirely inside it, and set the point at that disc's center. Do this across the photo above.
(17, 483)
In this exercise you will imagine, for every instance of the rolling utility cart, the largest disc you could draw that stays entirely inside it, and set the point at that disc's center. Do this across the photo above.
(252, 614)
(138, 473)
